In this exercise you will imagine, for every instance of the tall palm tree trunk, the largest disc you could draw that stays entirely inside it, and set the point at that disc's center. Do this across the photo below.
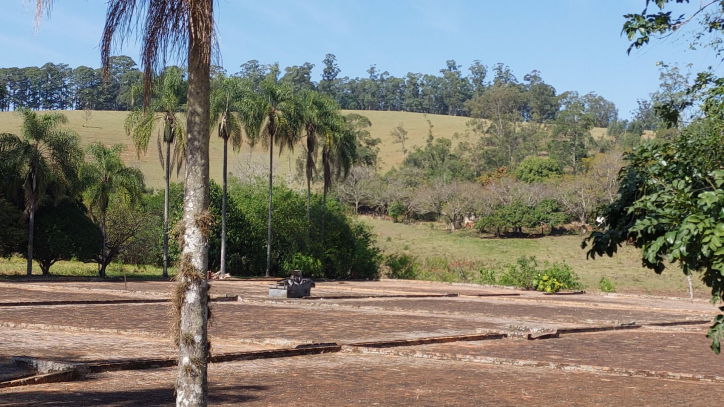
(165, 209)
(309, 192)
(192, 382)
(31, 230)
(223, 212)
(269, 228)
(324, 213)
(104, 248)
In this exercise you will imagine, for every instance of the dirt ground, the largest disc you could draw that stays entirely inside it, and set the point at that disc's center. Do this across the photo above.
(662, 357)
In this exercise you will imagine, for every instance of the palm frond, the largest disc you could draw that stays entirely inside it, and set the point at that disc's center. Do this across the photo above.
(163, 26)
(140, 125)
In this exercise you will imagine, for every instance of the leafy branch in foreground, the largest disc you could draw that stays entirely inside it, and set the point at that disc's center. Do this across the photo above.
(671, 205)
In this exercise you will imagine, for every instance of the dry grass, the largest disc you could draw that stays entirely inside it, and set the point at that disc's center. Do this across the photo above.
(107, 127)
(467, 247)
(15, 266)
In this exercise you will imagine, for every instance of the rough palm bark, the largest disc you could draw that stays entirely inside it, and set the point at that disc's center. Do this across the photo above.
(192, 386)
(165, 209)
(31, 230)
(168, 27)
(311, 147)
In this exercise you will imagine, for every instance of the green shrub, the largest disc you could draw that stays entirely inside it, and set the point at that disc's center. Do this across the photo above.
(402, 266)
(555, 277)
(347, 250)
(522, 274)
(544, 282)
(396, 210)
(308, 265)
(487, 276)
(526, 274)
(606, 285)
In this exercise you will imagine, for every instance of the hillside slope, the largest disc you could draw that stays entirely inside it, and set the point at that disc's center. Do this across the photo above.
(107, 127)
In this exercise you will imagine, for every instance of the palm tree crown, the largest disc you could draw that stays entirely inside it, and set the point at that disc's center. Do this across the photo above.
(319, 115)
(165, 113)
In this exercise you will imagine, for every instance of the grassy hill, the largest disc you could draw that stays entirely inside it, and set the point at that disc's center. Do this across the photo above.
(107, 127)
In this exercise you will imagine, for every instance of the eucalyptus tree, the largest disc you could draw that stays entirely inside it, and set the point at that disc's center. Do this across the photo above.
(271, 115)
(47, 156)
(224, 100)
(162, 114)
(319, 114)
(106, 175)
(181, 28)
(338, 155)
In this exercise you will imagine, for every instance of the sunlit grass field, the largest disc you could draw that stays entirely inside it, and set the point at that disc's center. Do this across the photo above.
(436, 245)
(107, 127)
(441, 253)
(16, 267)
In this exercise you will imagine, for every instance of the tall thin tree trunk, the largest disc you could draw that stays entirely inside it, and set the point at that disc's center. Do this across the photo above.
(222, 271)
(165, 209)
(309, 193)
(31, 229)
(269, 228)
(192, 382)
(324, 212)
(104, 253)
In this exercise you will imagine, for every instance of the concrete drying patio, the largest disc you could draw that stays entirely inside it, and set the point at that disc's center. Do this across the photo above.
(385, 343)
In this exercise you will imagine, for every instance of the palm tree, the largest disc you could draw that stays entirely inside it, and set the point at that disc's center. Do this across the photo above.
(224, 95)
(338, 155)
(47, 156)
(319, 114)
(170, 29)
(271, 115)
(162, 113)
(108, 175)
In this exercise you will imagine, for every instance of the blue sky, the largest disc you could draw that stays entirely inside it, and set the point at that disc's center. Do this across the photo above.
(576, 44)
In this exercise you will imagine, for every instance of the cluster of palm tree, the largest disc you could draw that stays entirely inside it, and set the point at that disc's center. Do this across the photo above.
(51, 163)
(271, 113)
(268, 113)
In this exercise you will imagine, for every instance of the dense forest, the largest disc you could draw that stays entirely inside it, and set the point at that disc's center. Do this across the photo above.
(452, 91)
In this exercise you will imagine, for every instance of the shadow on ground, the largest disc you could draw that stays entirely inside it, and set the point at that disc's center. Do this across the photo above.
(162, 396)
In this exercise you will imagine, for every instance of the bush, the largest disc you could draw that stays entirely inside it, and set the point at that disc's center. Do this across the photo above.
(396, 210)
(556, 277)
(402, 266)
(606, 285)
(526, 274)
(308, 265)
(521, 274)
(346, 251)
(13, 232)
(487, 276)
